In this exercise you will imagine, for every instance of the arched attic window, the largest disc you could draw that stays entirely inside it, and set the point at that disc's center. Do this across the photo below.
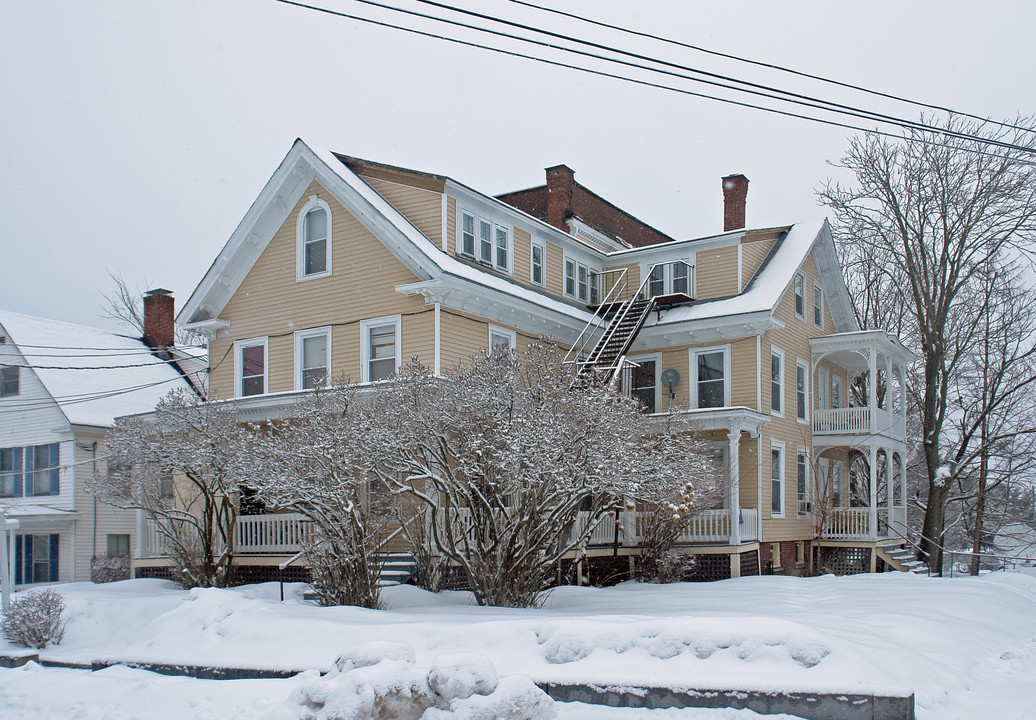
(313, 249)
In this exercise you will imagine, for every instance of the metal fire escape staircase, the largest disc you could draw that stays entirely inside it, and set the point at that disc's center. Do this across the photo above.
(599, 352)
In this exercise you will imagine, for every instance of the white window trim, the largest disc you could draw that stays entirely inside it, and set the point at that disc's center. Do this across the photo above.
(512, 336)
(239, 346)
(800, 363)
(302, 335)
(799, 276)
(590, 272)
(543, 263)
(300, 240)
(778, 445)
(476, 254)
(817, 286)
(774, 350)
(837, 380)
(693, 358)
(365, 326)
(804, 451)
(657, 357)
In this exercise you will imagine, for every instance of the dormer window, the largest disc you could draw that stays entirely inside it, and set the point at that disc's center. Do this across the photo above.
(485, 241)
(314, 240)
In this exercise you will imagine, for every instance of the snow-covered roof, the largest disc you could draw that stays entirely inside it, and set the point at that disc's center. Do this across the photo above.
(766, 289)
(93, 375)
(438, 271)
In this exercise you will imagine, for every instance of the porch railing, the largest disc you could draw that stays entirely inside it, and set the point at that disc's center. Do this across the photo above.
(848, 523)
(277, 533)
(286, 532)
(842, 420)
(749, 524)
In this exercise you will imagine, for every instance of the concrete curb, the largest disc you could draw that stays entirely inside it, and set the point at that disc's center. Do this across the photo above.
(807, 705)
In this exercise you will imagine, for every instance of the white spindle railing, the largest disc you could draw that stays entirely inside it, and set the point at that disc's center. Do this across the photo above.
(150, 543)
(749, 524)
(842, 420)
(709, 526)
(848, 523)
(277, 533)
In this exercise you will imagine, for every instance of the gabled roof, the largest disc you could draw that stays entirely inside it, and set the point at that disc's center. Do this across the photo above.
(93, 376)
(775, 276)
(444, 278)
(302, 166)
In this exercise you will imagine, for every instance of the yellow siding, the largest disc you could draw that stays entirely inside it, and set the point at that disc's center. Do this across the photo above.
(752, 255)
(554, 273)
(522, 256)
(632, 278)
(451, 225)
(715, 272)
(271, 303)
(421, 207)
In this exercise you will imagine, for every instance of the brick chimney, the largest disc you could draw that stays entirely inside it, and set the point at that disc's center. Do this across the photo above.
(561, 181)
(158, 318)
(735, 192)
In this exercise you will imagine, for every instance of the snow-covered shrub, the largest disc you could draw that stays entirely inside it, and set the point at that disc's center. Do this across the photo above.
(382, 681)
(309, 463)
(109, 568)
(181, 468)
(516, 466)
(34, 619)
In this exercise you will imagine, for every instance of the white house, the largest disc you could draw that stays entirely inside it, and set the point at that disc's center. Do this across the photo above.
(61, 387)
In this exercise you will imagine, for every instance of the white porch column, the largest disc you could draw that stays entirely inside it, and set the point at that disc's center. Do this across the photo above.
(872, 522)
(138, 551)
(734, 495)
(872, 390)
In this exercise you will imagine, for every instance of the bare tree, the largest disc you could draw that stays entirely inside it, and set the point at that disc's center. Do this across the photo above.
(515, 467)
(926, 214)
(181, 468)
(125, 305)
(310, 463)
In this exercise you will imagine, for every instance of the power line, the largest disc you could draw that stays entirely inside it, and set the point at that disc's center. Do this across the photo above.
(771, 66)
(715, 79)
(635, 81)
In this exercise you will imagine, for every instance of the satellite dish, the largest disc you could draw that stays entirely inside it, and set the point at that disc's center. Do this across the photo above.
(670, 378)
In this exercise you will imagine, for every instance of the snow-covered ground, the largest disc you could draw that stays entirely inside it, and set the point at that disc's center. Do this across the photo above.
(965, 646)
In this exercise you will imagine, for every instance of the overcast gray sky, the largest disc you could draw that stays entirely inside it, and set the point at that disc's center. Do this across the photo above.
(134, 135)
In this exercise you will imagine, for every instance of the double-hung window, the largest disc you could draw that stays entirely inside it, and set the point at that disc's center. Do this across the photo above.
(582, 282)
(836, 392)
(801, 398)
(644, 383)
(776, 382)
(30, 471)
(802, 481)
(818, 306)
(312, 358)
(467, 234)
(485, 241)
(8, 380)
(800, 295)
(380, 351)
(501, 339)
(537, 264)
(710, 368)
(776, 479)
(313, 249)
(251, 366)
(672, 278)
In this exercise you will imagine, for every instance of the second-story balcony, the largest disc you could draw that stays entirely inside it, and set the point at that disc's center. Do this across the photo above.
(872, 402)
